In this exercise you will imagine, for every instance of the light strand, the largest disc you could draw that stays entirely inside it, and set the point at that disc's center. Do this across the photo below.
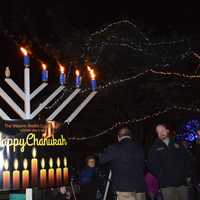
(95, 42)
(152, 71)
(136, 120)
(120, 81)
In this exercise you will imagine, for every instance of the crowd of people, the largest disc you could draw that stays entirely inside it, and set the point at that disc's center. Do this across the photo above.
(166, 174)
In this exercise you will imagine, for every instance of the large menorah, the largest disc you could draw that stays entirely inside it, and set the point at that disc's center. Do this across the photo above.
(26, 95)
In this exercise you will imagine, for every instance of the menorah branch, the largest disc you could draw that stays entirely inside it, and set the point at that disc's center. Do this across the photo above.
(38, 90)
(12, 104)
(3, 115)
(16, 88)
(63, 105)
(80, 107)
(47, 101)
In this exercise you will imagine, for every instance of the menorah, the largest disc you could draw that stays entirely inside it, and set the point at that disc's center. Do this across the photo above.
(26, 95)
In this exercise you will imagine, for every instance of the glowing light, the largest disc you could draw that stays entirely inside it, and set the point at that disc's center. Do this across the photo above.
(6, 164)
(24, 51)
(16, 164)
(58, 162)
(51, 162)
(89, 68)
(92, 74)
(42, 163)
(34, 152)
(25, 163)
(77, 72)
(65, 161)
(44, 66)
(62, 69)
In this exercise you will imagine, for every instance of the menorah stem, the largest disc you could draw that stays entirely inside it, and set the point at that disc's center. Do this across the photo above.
(27, 105)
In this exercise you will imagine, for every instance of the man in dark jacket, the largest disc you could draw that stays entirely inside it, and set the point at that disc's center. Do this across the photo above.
(170, 162)
(126, 160)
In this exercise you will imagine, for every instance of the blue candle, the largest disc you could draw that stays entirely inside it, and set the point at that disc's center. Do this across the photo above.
(62, 76)
(78, 79)
(94, 84)
(44, 75)
(26, 57)
(26, 60)
(93, 81)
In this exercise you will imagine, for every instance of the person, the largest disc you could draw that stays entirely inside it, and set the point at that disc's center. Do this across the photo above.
(170, 163)
(88, 180)
(152, 186)
(126, 160)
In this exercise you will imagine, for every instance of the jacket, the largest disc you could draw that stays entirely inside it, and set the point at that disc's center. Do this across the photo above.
(170, 164)
(126, 160)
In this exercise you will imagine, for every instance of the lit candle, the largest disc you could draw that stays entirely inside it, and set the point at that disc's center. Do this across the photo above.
(34, 167)
(93, 81)
(6, 175)
(44, 75)
(78, 79)
(25, 175)
(51, 173)
(65, 171)
(43, 174)
(58, 173)
(62, 75)
(26, 57)
(16, 176)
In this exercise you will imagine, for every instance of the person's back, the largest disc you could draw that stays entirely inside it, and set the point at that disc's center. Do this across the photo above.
(127, 164)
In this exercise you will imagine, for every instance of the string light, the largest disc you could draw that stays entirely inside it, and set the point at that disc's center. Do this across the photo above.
(136, 120)
(56, 102)
(118, 40)
(142, 74)
(120, 81)
(95, 42)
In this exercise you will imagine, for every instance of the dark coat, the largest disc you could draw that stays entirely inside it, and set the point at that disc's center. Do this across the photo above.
(127, 164)
(88, 183)
(171, 164)
(88, 175)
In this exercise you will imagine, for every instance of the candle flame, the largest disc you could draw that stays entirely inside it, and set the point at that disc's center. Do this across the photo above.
(44, 66)
(92, 74)
(65, 161)
(51, 162)
(77, 72)
(89, 68)
(34, 152)
(42, 163)
(25, 163)
(58, 162)
(6, 164)
(91, 71)
(16, 164)
(24, 51)
(62, 69)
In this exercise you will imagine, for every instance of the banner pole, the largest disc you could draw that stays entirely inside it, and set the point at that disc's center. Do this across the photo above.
(107, 185)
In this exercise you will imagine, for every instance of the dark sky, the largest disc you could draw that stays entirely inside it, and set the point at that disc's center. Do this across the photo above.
(162, 15)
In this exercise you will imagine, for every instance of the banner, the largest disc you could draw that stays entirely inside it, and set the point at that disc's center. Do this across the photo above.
(32, 155)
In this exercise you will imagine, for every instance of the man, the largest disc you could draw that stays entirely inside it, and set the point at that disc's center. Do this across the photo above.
(126, 160)
(170, 163)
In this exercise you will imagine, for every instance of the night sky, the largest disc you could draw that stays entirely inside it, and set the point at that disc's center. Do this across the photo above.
(161, 15)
